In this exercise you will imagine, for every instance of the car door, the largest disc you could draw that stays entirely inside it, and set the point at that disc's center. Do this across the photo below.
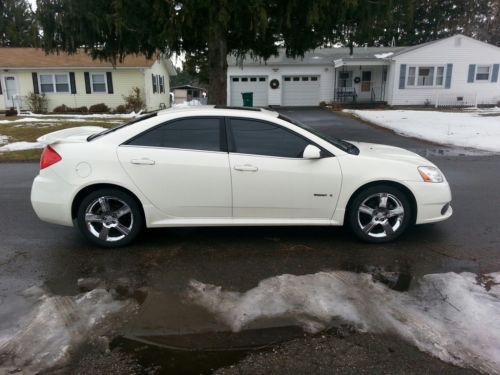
(182, 167)
(271, 179)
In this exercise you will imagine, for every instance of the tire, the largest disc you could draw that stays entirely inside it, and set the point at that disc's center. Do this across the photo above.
(379, 214)
(109, 218)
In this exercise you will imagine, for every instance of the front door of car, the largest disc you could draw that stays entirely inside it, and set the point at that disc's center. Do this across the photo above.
(271, 179)
(182, 167)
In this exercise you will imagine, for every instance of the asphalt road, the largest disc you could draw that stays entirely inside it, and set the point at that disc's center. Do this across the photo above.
(164, 260)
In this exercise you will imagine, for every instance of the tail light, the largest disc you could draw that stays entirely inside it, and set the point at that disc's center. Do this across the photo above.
(49, 157)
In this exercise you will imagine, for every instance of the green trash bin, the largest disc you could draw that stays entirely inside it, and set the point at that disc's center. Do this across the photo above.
(247, 99)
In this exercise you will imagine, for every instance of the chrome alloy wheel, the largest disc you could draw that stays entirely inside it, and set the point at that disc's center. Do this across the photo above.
(380, 215)
(109, 218)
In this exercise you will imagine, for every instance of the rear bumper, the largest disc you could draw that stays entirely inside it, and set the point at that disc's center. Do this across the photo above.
(51, 199)
(433, 201)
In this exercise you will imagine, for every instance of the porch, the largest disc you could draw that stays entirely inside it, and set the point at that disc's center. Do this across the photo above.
(358, 81)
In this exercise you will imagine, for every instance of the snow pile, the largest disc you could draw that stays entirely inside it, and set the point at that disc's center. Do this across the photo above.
(187, 104)
(56, 328)
(452, 316)
(383, 55)
(86, 116)
(452, 128)
(25, 120)
(20, 146)
(3, 139)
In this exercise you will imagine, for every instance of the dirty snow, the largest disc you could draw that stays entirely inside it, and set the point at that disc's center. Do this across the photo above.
(464, 129)
(451, 316)
(56, 328)
(3, 139)
(383, 55)
(20, 146)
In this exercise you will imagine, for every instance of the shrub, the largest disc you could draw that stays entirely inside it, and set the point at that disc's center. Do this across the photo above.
(134, 101)
(37, 103)
(65, 109)
(99, 108)
(81, 109)
(11, 112)
(120, 109)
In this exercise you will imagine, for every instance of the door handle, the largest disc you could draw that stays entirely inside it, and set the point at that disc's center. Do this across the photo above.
(143, 161)
(246, 168)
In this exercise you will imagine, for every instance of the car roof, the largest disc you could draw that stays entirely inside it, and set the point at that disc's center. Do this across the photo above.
(218, 110)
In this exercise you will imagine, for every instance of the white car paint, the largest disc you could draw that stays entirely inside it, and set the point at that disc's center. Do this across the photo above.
(205, 188)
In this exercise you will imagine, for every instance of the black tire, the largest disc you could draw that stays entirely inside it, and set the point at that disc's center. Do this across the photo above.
(116, 227)
(381, 224)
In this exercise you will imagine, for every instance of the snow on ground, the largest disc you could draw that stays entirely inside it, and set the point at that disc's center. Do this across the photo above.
(3, 139)
(20, 146)
(187, 104)
(49, 120)
(57, 327)
(464, 129)
(455, 317)
(85, 116)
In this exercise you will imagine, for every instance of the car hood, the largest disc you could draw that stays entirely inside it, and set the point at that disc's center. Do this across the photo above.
(373, 150)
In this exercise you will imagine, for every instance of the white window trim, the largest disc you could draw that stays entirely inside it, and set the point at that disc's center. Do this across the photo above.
(489, 73)
(417, 68)
(91, 78)
(53, 75)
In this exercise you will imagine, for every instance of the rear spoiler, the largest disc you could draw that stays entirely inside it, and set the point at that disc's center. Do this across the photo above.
(70, 135)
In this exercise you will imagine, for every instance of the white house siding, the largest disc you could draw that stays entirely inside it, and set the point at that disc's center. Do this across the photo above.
(275, 96)
(154, 100)
(376, 80)
(447, 51)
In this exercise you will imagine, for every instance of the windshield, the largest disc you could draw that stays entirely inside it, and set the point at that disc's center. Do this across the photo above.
(339, 143)
(119, 126)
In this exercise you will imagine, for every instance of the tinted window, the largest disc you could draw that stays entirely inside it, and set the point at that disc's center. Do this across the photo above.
(192, 133)
(263, 138)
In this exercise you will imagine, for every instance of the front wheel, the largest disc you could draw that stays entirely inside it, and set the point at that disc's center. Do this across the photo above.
(379, 214)
(109, 218)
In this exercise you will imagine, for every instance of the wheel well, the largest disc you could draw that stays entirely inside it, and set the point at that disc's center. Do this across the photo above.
(88, 189)
(397, 185)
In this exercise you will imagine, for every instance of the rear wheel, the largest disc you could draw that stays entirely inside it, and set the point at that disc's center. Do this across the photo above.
(109, 218)
(379, 214)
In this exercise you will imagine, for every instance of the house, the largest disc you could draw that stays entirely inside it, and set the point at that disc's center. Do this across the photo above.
(76, 80)
(186, 93)
(454, 71)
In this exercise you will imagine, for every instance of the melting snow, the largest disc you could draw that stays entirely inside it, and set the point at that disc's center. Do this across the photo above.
(20, 146)
(451, 316)
(383, 55)
(56, 328)
(467, 129)
(3, 139)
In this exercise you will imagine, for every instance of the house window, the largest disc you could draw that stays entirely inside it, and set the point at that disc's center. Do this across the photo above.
(54, 83)
(411, 76)
(345, 79)
(262, 79)
(483, 73)
(440, 76)
(425, 76)
(98, 82)
(162, 83)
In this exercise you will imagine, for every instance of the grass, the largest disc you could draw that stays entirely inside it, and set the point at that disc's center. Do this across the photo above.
(30, 131)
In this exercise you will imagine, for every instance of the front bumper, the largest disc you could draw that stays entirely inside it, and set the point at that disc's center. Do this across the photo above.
(431, 198)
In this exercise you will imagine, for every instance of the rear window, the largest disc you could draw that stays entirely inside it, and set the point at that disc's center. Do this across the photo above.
(119, 126)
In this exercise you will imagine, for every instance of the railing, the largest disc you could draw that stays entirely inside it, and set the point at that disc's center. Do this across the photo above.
(441, 100)
(344, 94)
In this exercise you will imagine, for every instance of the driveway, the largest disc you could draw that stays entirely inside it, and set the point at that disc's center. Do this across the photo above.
(165, 260)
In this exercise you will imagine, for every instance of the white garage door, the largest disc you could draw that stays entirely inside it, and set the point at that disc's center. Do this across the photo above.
(255, 84)
(300, 90)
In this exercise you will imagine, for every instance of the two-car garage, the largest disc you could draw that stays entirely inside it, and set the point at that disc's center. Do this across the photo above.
(287, 90)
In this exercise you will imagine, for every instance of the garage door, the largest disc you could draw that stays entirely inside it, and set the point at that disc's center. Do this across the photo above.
(300, 91)
(255, 84)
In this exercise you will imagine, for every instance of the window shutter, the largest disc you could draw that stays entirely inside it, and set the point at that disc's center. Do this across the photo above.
(153, 79)
(87, 82)
(472, 71)
(449, 71)
(0, 87)
(494, 75)
(72, 82)
(109, 79)
(34, 76)
(402, 76)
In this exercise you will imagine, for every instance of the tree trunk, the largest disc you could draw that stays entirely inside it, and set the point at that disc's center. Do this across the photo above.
(217, 66)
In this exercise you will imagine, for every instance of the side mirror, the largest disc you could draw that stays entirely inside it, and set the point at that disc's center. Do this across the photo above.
(311, 152)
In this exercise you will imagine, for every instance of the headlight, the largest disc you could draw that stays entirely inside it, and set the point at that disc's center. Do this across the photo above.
(430, 174)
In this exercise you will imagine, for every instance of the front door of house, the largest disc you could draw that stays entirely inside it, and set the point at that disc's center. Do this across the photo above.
(366, 81)
(10, 86)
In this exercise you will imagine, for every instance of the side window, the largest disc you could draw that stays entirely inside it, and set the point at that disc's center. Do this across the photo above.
(191, 133)
(263, 138)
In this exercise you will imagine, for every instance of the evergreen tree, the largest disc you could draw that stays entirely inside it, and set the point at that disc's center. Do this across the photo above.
(17, 24)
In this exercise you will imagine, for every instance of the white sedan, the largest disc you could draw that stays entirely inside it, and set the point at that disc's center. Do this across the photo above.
(209, 166)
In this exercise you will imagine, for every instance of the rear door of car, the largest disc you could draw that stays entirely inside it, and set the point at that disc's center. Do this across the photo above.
(271, 179)
(182, 167)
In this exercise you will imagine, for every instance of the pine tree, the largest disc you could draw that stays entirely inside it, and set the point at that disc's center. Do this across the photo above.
(17, 24)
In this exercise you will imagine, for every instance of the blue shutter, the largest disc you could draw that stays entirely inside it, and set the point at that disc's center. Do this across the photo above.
(472, 71)
(86, 75)
(449, 71)
(72, 82)
(402, 76)
(34, 77)
(494, 75)
(109, 79)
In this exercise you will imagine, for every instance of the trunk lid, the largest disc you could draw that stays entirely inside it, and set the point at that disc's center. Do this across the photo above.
(70, 135)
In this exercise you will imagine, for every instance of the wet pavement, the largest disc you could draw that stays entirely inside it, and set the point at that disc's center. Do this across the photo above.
(163, 261)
